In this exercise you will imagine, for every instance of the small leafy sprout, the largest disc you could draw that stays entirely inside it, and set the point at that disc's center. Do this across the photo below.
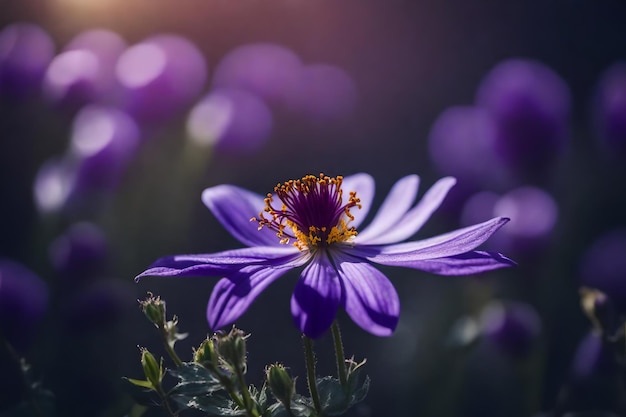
(152, 370)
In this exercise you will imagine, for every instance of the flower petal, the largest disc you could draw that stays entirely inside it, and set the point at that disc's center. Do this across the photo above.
(396, 204)
(467, 263)
(449, 244)
(232, 296)
(223, 263)
(234, 207)
(369, 298)
(412, 221)
(363, 185)
(316, 298)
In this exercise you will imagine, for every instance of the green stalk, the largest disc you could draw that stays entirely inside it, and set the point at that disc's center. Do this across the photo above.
(339, 354)
(168, 347)
(245, 394)
(309, 358)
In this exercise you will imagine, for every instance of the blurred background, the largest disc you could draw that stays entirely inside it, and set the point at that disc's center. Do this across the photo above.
(115, 115)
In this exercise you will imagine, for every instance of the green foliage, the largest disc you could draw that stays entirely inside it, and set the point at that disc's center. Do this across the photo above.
(213, 383)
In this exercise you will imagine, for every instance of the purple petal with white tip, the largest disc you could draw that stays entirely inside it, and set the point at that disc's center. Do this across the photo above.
(223, 263)
(396, 205)
(448, 244)
(363, 185)
(468, 263)
(412, 221)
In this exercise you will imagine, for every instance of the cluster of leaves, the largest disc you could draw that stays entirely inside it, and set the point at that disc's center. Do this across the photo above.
(213, 383)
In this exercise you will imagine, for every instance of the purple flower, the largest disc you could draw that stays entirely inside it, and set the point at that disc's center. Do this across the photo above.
(312, 223)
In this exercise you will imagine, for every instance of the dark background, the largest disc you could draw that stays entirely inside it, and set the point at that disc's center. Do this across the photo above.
(410, 60)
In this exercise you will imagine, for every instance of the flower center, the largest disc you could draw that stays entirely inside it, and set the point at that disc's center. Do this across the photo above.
(312, 212)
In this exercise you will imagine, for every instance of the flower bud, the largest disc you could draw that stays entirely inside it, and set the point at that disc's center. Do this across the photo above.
(152, 369)
(206, 355)
(280, 383)
(154, 309)
(232, 348)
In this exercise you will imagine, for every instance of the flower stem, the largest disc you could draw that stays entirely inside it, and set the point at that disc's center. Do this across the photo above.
(245, 394)
(339, 354)
(168, 347)
(309, 358)
(228, 385)
(166, 403)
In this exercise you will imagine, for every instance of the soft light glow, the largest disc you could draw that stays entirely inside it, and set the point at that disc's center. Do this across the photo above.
(94, 129)
(52, 186)
(140, 64)
(70, 67)
(532, 211)
(209, 120)
(232, 120)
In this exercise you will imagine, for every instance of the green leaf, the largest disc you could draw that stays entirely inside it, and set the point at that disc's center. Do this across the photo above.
(141, 383)
(199, 389)
(300, 407)
(337, 399)
(215, 404)
(194, 379)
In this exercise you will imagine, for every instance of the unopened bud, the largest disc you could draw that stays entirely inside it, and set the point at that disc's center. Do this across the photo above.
(232, 348)
(281, 384)
(600, 310)
(154, 309)
(151, 368)
(206, 355)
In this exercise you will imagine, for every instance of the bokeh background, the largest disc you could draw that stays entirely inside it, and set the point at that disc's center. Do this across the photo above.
(115, 115)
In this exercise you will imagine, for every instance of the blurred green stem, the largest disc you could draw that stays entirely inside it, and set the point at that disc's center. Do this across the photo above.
(28, 387)
(339, 354)
(309, 358)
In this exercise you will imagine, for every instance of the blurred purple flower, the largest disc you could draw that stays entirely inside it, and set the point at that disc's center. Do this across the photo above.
(512, 326)
(231, 121)
(79, 252)
(530, 104)
(23, 302)
(324, 93)
(85, 71)
(25, 51)
(461, 143)
(320, 216)
(610, 110)
(160, 76)
(267, 70)
(592, 356)
(103, 142)
(534, 214)
(99, 305)
(603, 267)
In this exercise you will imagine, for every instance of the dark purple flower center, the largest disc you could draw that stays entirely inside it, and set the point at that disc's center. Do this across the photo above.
(312, 212)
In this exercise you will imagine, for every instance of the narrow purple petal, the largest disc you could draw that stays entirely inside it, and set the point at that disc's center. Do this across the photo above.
(369, 298)
(363, 185)
(234, 207)
(316, 297)
(412, 221)
(449, 244)
(467, 263)
(232, 296)
(395, 206)
(223, 263)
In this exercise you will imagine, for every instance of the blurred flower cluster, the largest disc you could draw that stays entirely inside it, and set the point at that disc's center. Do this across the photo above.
(116, 192)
